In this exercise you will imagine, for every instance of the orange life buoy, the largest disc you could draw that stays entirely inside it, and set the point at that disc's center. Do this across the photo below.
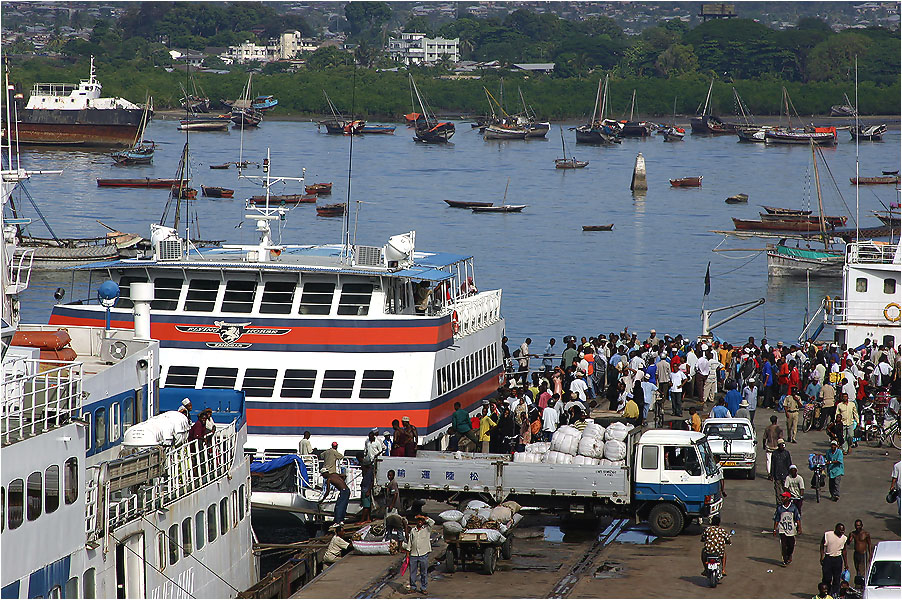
(898, 316)
(455, 322)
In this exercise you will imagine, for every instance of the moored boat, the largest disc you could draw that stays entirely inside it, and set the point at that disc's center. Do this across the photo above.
(139, 154)
(216, 192)
(598, 227)
(738, 199)
(503, 208)
(568, 163)
(673, 134)
(320, 189)
(878, 180)
(183, 192)
(284, 199)
(775, 210)
(466, 203)
(427, 128)
(599, 130)
(786, 261)
(830, 220)
(197, 122)
(777, 225)
(823, 136)
(243, 112)
(222, 166)
(687, 181)
(264, 103)
(500, 131)
(331, 210)
(383, 129)
(143, 182)
(868, 133)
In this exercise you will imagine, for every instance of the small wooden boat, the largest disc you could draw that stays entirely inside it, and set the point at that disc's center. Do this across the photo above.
(829, 220)
(504, 208)
(467, 204)
(330, 210)
(674, 134)
(205, 123)
(505, 132)
(896, 172)
(247, 117)
(775, 210)
(383, 129)
(598, 227)
(570, 163)
(222, 166)
(284, 199)
(264, 103)
(880, 179)
(139, 154)
(216, 192)
(687, 182)
(184, 193)
(868, 133)
(825, 136)
(738, 199)
(890, 219)
(144, 182)
(750, 225)
(321, 189)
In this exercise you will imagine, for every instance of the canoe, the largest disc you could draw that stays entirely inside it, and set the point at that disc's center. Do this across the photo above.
(775, 210)
(749, 225)
(738, 199)
(880, 179)
(896, 172)
(384, 129)
(820, 135)
(222, 166)
(144, 182)
(674, 134)
(569, 163)
(466, 204)
(687, 182)
(216, 192)
(505, 132)
(829, 220)
(598, 227)
(319, 188)
(283, 199)
(330, 210)
(504, 208)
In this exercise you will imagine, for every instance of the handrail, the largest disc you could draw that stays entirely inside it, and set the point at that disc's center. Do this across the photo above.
(872, 253)
(17, 268)
(36, 398)
(475, 312)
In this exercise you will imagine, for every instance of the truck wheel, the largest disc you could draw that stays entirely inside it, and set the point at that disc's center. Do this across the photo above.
(488, 560)
(450, 564)
(750, 474)
(507, 548)
(665, 520)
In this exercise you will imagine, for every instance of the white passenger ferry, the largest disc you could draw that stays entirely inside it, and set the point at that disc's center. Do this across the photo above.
(333, 339)
(85, 514)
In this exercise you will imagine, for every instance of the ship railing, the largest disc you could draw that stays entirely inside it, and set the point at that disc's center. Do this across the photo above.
(863, 311)
(38, 396)
(196, 464)
(53, 89)
(312, 489)
(20, 271)
(871, 252)
(475, 312)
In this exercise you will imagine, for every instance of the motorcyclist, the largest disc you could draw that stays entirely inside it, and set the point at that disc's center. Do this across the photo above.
(714, 542)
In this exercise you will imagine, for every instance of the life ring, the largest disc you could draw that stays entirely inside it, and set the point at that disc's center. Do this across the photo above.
(828, 304)
(455, 323)
(886, 310)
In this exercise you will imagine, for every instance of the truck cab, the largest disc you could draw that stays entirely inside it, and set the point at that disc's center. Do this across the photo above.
(733, 443)
(676, 480)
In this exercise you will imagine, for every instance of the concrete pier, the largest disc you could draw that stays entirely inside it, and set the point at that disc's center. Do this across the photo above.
(639, 182)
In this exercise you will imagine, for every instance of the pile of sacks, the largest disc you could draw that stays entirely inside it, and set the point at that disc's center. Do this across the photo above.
(479, 517)
(595, 445)
(371, 540)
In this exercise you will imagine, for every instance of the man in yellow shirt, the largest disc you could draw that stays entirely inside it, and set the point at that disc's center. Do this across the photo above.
(849, 412)
(486, 423)
(694, 420)
(631, 411)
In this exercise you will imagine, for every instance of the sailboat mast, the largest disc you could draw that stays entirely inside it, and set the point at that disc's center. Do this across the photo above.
(857, 136)
(563, 147)
(708, 98)
(604, 99)
(595, 108)
(503, 200)
(632, 105)
(820, 202)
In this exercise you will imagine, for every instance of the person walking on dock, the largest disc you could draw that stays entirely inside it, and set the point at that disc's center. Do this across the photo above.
(860, 540)
(833, 557)
(835, 469)
(772, 433)
(787, 524)
(418, 547)
(791, 410)
(677, 379)
(780, 461)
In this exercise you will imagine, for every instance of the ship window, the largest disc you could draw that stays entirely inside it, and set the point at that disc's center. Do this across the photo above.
(235, 511)
(317, 298)
(173, 544)
(128, 410)
(259, 383)
(298, 383)
(88, 588)
(202, 295)
(161, 551)
(376, 384)
(87, 418)
(166, 292)
(181, 377)
(222, 378)
(34, 496)
(239, 296)
(70, 482)
(211, 522)
(277, 297)
(16, 503)
(2, 509)
(223, 515)
(187, 546)
(51, 488)
(72, 587)
(241, 502)
(861, 284)
(115, 420)
(199, 529)
(125, 283)
(338, 384)
(99, 428)
(889, 286)
(355, 299)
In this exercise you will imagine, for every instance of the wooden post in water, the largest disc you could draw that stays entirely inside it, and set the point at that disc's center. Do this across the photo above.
(639, 183)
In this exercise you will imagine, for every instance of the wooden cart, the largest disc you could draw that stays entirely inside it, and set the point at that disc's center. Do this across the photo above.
(473, 547)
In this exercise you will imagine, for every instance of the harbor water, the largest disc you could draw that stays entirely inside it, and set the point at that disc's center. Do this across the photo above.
(557, 280)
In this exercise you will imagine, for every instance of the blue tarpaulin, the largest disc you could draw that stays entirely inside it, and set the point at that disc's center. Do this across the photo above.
(278, 463)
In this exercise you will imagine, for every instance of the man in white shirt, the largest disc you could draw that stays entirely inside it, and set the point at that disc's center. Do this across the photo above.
(550, 419)
(579, 386)
(649, 390)
(305, 446)
(702, 370)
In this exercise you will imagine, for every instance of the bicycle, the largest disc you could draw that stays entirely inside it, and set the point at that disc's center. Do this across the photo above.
(817, 464)
(811, 415)
(659, 414)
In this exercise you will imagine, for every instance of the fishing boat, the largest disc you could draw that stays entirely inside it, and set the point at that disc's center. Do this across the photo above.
(830, 220)
(878, 180)
(195, 102)
(843, 110)
(205, 122)
(708, 123)
(428, 128)
(632, 128)
(331, 210)
(243, 113)
(889, 218)
(823, 136)
(501, 208)
(382, 129)
(598, 227)
(467, 204)
(687, 182)
(222, 166)
(183, 192)
(264, 103)
(141, 152)
(775, 210)
(530, 121)
(284, 199)
(784, 225)
(500, 131)
(568, 163)
(599, 130)
(738, 199)
(673, 134)
(868, 133)
(320, 189)
(753, 134)
(143, 182)
(216, 192)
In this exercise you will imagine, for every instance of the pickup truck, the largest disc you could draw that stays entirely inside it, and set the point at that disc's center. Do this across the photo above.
(668, 479)
(732, 441)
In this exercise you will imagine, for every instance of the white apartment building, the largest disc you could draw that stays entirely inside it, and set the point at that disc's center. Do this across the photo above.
(416, 48)
(287, 46)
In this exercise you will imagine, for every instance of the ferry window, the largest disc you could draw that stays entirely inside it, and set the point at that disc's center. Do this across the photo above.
(649, 457)
(161, 550)
(166, 292)
(338, 384)
(128, 411)
(70, 482)
(277, 297)
(889, 341)
(16, 503)
(202, 295)
(861, 284)
(99, 428)
(199, 529)
(2, 509)
(223, 516)
(51, 488)
(234, 508)
(35, 496)
(889, 286)
(181, 377)
(220, 378)
(298, 383)
(241, 501)
(259, 383)
(316, 298)
(72, 588)
(115, 415)
(125, 300)
(211, 523)
(88, 590)
(173, 544)
(86, 417)
(239, 296)
(187, 546)
(55, 592)
(355, 299)
(376, 384)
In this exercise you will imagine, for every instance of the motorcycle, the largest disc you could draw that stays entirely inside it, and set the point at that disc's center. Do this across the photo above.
(714, 566)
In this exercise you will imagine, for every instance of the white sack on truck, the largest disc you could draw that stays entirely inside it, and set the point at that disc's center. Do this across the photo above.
(585, 460)
(591, 446)
(451, 515)
(538, 447)
(594, 430)
(614, 449)
(617, 431)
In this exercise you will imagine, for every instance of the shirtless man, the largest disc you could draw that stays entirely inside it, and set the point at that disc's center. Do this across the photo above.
(860, 540)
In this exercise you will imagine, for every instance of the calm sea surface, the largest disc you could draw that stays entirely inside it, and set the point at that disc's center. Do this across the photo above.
(557, 280)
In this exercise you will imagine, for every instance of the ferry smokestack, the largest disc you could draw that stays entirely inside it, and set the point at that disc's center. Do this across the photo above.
(141, 295)
(639, 182)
